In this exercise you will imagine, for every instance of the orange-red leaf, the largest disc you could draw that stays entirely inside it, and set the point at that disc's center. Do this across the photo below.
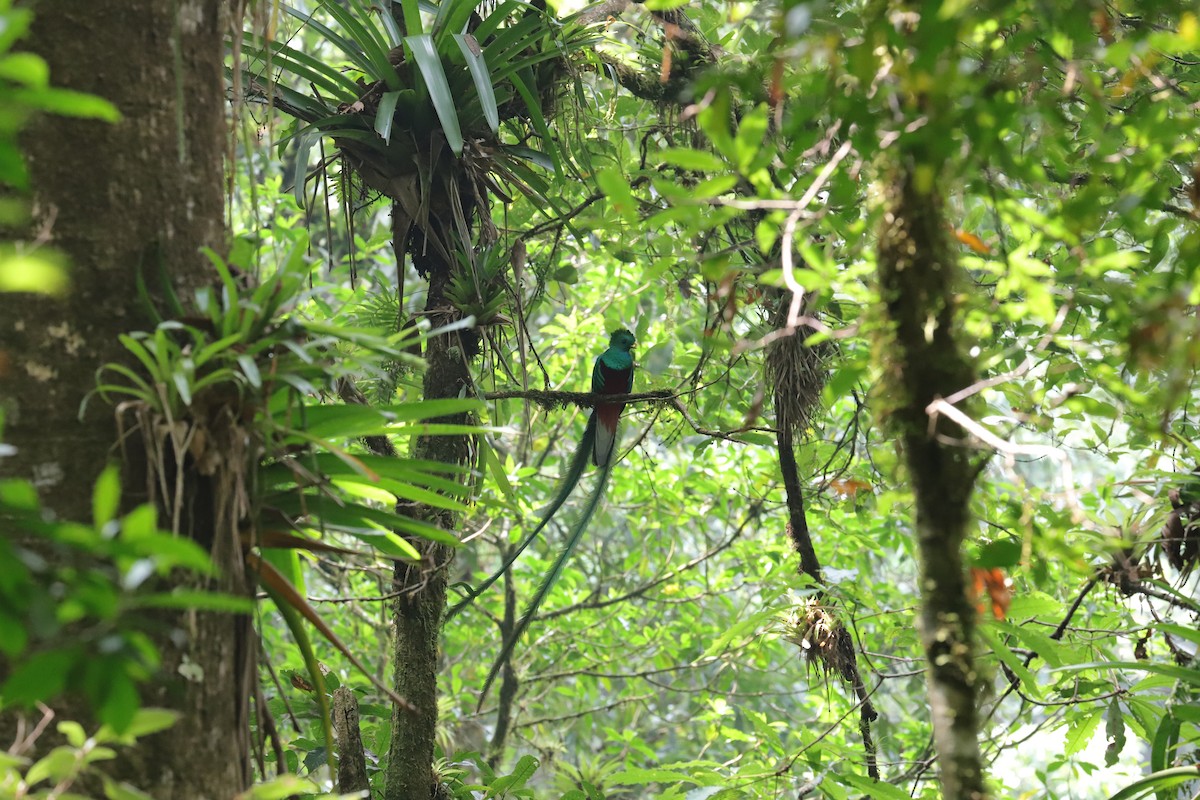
(998, 587)
(272, 537)
(849, 487)
(283, 590)
(972, 241)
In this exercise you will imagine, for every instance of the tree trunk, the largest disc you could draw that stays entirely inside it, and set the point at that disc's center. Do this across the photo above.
(146, 194)
(917, 274)
(422, 600)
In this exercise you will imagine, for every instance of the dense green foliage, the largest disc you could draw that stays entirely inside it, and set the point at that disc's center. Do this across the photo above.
(664, 657)
(709, 176)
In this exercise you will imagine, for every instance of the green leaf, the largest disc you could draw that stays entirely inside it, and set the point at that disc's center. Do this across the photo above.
(115, 790)
(250, 370)
(292, 603)
(362, 522)
(40, 678)
(119, 702)
(452, 18)
(388, 543)
(496, 468)
(281, 788)
(1158, 782)
(145, 721)
(522, 82)
(106, 497)
(695, 160)
(1081, 731)
(373, 43)
(67, 102)
(430, 64)
(345, 421)
(617, 190)
(1002, 553)
(57, 765)
(520, 775)
(430, 409)
(1191, 676)
(304, 144)
(640, 777)
(13, 635)
(1114, 730)
(411, 11)
(25, 68)
(352, 49)
(332, 83)
(73, 732)
(877, 790)
(744, 627)
(1014, 662)
(1166, 740)
(1190, 634)
(40, 271)
(477, 64)
(198, 599)
(386, 115)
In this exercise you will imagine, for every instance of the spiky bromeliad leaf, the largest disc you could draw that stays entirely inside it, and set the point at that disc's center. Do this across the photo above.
(373, 42)
(430, 63)
(386, 115)
(412, 16)
(452, 18)
(325, 77)
(483, 79)
(352, 49)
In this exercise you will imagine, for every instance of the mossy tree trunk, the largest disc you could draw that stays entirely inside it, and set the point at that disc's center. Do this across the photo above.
(145, 193)
(918, 277)
(421, 600)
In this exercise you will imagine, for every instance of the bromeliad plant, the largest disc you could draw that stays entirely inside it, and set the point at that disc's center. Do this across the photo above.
(232, 392)
(430, 105)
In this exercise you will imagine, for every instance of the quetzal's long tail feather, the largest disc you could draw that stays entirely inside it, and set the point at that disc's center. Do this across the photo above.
(552, 576)
(575, 470)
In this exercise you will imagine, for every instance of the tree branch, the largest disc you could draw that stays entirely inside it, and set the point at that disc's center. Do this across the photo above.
(554, 399)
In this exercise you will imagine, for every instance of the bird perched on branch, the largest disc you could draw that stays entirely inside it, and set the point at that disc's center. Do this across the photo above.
(612, 375)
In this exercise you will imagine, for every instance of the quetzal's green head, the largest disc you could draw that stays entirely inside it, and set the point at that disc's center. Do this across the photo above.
(622, 340)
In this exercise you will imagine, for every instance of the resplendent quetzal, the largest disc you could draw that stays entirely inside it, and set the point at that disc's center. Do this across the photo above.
(613, 374)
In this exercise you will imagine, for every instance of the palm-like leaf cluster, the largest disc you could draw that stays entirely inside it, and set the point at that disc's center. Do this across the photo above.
(420, 105)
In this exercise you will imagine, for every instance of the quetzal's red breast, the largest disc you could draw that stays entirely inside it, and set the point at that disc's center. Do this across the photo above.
(613, 381)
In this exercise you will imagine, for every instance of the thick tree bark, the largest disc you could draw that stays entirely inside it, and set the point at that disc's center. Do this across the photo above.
(143, 194)
(917, 274)
(352, 759)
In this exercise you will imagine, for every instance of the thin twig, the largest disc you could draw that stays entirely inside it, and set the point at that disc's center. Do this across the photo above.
(789, 230)
(941, 407)
(1022, 368)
